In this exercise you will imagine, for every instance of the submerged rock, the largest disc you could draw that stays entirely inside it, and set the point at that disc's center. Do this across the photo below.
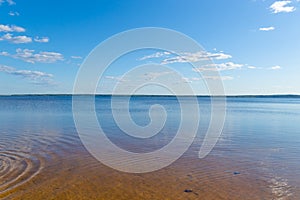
(188, 190)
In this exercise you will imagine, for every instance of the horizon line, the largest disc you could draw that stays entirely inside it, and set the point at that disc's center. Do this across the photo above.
(198, 95)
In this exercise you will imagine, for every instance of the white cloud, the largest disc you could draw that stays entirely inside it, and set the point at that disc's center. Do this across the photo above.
(275, 67)
(76, 57)
(22, 39)
(263, 68)
(282, 6)
(28, 55)
(36, 77)
(18, 29)
(271, 28)
(219, 67)
(155, 55)
(187, 56)
(154, 75)
(11, 13)
(116, 78)
(41, 40)
(195, 79)
(4, 68)
(190, 79)
(4, 53)
(186, 80)
(10, 2)
(16, 39)
(223, 78)
(195, 57)
(146, 76)
(11, 28)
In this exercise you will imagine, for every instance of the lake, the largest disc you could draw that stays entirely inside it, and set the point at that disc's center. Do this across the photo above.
(256, 156)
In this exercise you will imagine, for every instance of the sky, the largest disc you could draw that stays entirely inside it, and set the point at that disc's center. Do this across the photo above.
(253, 44)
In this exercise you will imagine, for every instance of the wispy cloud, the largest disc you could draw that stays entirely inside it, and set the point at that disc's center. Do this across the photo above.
(282, 6)
(275, 67)
(22, 39)
(115, 78)
(223, 78)
(155, 55)
(41, 39)
(149, 76)
(270, 28)
(9, 2)
(76, 57)
(35, 77)
(12, 13)
(187, 56)
(16, 39)
(11, 28)
(218, 67)
(193, 79)
(28, 55)
(155, 75)
(195, 57)
(185, 80)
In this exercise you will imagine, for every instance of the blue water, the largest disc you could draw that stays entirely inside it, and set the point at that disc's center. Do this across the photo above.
(262, 133)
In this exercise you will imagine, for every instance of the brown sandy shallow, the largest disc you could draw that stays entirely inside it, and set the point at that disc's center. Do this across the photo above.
(77, 175)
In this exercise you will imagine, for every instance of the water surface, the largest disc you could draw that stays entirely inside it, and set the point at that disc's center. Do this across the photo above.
(256, 157)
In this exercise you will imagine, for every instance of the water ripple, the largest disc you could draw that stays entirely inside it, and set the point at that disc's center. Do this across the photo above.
(16, 169)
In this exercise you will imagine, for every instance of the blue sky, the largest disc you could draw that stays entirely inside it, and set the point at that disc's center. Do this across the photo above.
(43, 43)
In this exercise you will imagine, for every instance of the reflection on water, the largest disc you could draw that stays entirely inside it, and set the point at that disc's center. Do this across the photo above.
(257, 155)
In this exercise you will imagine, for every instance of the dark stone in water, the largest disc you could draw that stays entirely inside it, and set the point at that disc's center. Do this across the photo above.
(190, 176)
(188, 190)
(236, 173)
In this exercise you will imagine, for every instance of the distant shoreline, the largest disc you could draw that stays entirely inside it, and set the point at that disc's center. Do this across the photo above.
(155, 95)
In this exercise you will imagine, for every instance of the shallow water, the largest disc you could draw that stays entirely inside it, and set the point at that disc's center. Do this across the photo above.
(256, 157)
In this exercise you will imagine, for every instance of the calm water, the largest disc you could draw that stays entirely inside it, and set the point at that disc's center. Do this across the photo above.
(261, 138)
